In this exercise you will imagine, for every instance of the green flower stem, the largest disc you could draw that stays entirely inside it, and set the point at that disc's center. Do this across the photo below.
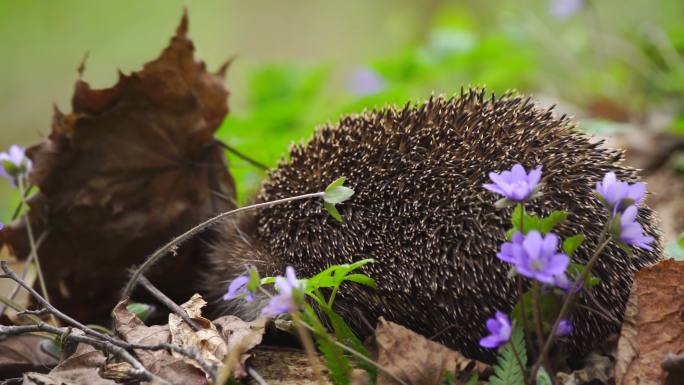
(171, 246)
(349, 350)
(309, 347)
(32, 243)
(332, 296)
(536, 314)
(521, 292)
(604, 239)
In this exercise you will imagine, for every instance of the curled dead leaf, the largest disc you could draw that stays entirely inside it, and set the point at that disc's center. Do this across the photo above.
(207, 341)
(159, 362)
(130, 167)
(241, 337)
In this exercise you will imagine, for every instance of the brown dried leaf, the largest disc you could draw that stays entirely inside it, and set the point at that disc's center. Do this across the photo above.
(129, 168)
(653, 325)
(207, 341)
(241, 337)
(160, 362)
(417, 360)
(82, 367)
(21, 354)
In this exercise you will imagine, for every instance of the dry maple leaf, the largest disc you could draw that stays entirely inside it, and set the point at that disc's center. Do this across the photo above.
(653, 325)
(131, 166)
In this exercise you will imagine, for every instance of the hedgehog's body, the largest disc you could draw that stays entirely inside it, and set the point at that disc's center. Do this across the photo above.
(420, 211)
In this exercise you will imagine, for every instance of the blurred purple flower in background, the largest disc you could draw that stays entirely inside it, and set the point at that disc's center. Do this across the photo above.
(565, 328)
(499, 329)
(562, 9)
(14, 163)
(631, 231)
(616, 193)
(284, 301)
(365, 81)
(515, 185)
(238, 288)
(535, 256)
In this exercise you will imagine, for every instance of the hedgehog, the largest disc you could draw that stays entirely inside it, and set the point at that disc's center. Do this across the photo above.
(420, 211)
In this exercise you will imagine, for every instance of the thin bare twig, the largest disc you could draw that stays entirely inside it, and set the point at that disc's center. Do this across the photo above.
(32, 242)
(166, 301)
(173, 245)
(242, 156)
(24, 271)
(210, 369)
(138, 370)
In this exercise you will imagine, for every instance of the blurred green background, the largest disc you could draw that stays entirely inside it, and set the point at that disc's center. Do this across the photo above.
(616, 65)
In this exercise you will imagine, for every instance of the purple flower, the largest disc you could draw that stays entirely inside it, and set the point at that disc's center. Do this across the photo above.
(238, 288)
(564, 328)
(284, 301)
(500, 331)
(515, 185)
(562, 281)
(364, 81)
(631, 232)
(562, 9)
(617, 194)
(535, 256)
(14, 163)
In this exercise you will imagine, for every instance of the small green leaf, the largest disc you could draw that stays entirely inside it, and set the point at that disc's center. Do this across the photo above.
(338, 182)
(141, 310)
(593, 280)
(681, 242)
(337, 194)
(362, 279)
(571, 244)
(254, 279)
(548, 223)
(473, 379)
(268, 280)
(332, 210)
(543, 377)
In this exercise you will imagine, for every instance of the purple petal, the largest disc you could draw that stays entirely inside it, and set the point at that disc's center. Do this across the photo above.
(518, 173)
(629, 215)
(283, 285)
(636, 191)
(534, 177)
(557, 264)
(235, 287)
(532, 244)
(518, 237)
(493, 326)
(506, 253)
(291, 276)
(565, 328)
(494, 188)
(490, 342)
(549, 244)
